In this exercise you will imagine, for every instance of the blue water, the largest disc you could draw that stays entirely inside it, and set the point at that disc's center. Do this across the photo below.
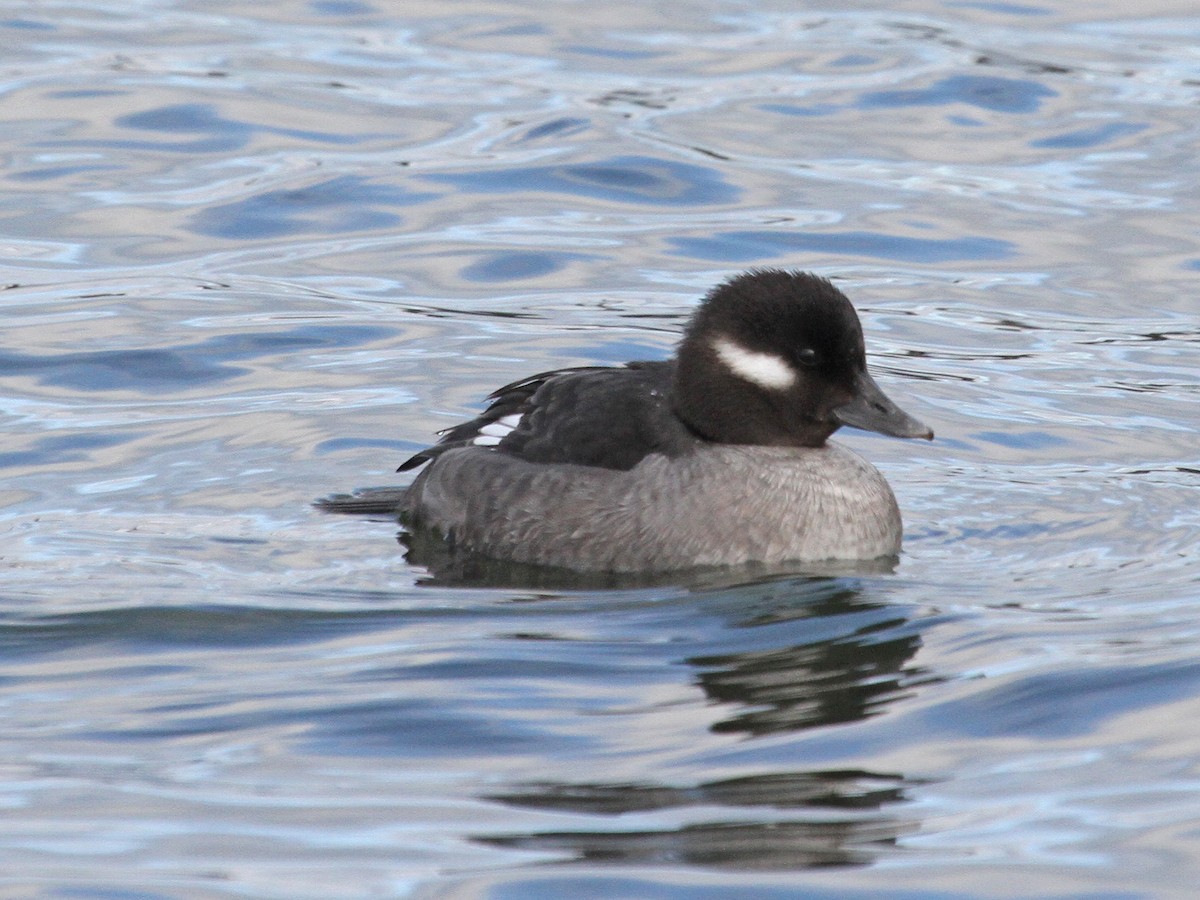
(254, 254)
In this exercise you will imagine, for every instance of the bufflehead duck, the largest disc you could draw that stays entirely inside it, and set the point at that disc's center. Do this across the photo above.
(717, 457)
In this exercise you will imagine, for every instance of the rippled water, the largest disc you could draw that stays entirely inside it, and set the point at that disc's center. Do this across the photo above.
(256, 253)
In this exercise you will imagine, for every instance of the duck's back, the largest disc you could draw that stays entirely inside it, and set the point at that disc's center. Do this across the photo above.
(720, 504)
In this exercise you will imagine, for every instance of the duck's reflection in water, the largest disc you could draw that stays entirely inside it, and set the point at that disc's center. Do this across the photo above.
(856, 664)
(781, 821)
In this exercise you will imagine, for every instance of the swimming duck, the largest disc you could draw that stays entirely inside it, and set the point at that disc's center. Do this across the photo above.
(717, 457)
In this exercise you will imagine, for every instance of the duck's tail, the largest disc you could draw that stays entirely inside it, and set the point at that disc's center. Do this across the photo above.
(368, 501)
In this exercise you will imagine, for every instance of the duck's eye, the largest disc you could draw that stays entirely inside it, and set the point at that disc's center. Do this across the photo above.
(807, 357)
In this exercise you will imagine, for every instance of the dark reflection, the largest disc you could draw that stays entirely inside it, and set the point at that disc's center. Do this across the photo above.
(800, 653)
(836, 789)
(827, 682)
(823, 836)
(779, 846)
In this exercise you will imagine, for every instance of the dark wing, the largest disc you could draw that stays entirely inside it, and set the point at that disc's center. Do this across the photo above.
(593, 416)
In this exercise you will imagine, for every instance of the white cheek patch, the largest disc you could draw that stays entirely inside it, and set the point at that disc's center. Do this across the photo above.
(493, 433)
(764, 369)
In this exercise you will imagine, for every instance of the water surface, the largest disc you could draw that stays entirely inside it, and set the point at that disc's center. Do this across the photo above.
(256, 254)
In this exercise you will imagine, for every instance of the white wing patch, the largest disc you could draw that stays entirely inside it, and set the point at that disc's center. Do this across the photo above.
(764, 369)
(493, 433)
